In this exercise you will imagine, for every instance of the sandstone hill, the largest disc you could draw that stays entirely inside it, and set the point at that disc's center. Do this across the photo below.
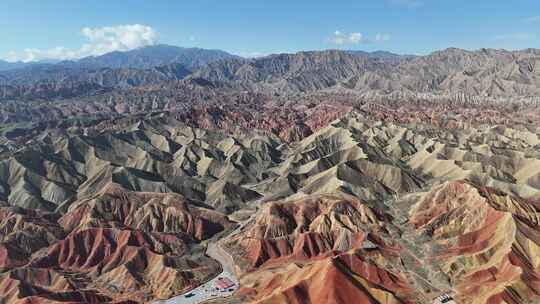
(360, 207)
(323, 176)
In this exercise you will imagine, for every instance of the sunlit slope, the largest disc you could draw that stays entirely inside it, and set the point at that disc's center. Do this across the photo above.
(360, 208)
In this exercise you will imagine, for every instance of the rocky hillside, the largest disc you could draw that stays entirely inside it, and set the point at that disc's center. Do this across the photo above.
(57, 82)
(360, 207)
(473, 74)
(447, 219)
(479, 73)
(146, 66)
(321, 177)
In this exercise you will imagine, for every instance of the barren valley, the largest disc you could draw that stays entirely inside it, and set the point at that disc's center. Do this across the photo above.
(323, 176)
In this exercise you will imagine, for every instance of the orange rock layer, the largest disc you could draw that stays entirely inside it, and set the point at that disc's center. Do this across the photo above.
(117, 247)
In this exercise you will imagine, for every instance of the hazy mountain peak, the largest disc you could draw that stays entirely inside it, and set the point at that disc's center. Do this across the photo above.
(156, 55)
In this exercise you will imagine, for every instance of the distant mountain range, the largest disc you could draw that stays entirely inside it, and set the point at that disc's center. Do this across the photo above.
(142, 58)
(156, 55)
(486, 72)
(152, 56)
(4, 65)
(482, 73)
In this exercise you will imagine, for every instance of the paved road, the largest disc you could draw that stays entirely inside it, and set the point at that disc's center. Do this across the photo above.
(207, 291)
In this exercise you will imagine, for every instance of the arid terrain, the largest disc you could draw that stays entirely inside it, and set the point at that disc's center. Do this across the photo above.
(325, 177)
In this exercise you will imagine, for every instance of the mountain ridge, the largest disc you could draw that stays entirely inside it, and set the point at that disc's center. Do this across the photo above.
(141, 58)
(377, 207)
(486, 73)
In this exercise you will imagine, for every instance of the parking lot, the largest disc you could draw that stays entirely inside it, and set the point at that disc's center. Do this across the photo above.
(208, 290)
(204, 292)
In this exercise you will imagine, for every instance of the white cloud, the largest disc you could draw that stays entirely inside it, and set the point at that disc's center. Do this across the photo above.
(382, 37)
(252, 54)
(515, 36)
(356, 38)
(256, 54)
(100, 41)
(340, 38)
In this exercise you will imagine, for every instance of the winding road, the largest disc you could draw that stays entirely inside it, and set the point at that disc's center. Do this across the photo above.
(208, 290)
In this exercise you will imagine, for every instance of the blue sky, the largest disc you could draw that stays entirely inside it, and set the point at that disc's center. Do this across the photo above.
(35, 29)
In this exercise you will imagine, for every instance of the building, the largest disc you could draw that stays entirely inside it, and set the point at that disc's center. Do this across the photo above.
(224, 283)
(444, 299)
